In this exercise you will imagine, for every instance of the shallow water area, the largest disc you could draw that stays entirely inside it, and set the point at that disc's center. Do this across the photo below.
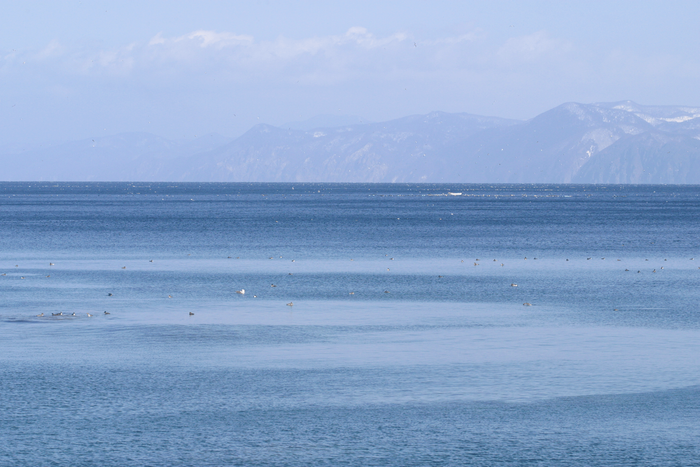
(473, 352)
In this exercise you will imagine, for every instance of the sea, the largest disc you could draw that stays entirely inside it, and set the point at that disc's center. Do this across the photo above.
(307, 324)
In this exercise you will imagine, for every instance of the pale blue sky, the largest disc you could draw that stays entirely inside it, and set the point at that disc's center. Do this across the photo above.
(77, 69)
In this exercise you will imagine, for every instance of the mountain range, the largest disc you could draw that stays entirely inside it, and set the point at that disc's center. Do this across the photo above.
(620, 142)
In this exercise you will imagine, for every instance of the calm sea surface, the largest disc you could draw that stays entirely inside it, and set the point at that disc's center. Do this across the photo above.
(380, 324)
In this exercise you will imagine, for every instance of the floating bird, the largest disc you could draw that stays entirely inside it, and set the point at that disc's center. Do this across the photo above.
(292, 261)
(73, 314)
(106, 312)
(22, 277)
(290, 304)
(587, 259)
(273, 285)
(527, 304)
(626, 269)
(49, 275)
(352, 293)
(513, 285)
(242, 291)
(40, 315)
(123, 267)
(57, 314)
(614, 309)
(150, 260)
(89, 315)
(109, 294)
(50, 264)
(191, 314)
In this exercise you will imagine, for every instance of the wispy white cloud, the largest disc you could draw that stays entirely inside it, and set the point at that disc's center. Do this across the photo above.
(364, 38)
(218, 40)
(356, 53)
(461, 63)
(118, 61)
(230, 45)
(462, 38)
(532, 47)
(52, 49)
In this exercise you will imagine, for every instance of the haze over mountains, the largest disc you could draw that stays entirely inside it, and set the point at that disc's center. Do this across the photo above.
(620, 142)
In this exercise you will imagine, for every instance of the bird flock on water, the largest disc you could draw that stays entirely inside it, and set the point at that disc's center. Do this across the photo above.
(242, 292)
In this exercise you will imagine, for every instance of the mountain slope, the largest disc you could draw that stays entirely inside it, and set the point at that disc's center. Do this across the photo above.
(549, 148)
(618, 142)
(407, 149)
(650, 157)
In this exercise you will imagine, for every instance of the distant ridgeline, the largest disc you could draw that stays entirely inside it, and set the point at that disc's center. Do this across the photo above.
(607, 143)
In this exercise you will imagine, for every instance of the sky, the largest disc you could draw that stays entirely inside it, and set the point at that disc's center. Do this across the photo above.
(77, 69)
